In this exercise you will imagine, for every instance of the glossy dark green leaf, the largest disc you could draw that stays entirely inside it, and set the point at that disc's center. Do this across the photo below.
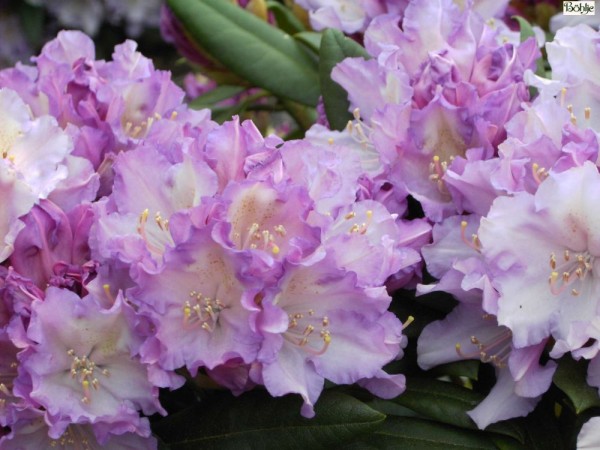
(334, 48)
(468, 368)
(285, 18)
(570, 377)
(448, 403)
(256, 420)
(544, 431)
(215, 96)
(249, 47)
(408, 433)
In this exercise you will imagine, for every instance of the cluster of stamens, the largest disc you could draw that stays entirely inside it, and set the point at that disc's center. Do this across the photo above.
(83, 370)
(362, 227)
(357, 130)
(587, 111)
(257, 238)
(202, 310)
(539, 173)
(437, 170)
(495, 351)
(141, 130)
(161, 223)
(573, 268)
(309, 331)
(71, 439)
(7, 378)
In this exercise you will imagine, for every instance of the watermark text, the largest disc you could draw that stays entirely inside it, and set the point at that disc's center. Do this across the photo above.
(582, 8)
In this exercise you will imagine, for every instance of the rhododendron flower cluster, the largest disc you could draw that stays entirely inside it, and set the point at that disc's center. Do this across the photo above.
(507, 181)
(144, 246)
(139, 238)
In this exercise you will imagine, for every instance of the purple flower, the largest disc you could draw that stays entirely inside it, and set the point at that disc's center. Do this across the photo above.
(52, 249)
(195, 302)
(31, 431)
(82, 366)
(310, 326)
(348, 16)
(541, 251)
(470, 333)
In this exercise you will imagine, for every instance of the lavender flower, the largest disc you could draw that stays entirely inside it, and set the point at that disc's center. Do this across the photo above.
(82, 367)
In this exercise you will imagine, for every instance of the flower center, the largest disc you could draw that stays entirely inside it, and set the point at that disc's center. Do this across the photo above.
(139, 129)
(262, 239)
(569, 270)
(74, 437)
(309, 332)
(359, 227)
(84, 370)
(202, 310)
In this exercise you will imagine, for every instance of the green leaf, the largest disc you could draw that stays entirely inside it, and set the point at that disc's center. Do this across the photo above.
(256, 420)
(334, 48)
(252, 49)
(525, 28)
(570, 377)
(448, 403)
(32, 22)
(544, 432)
(466, 368)
(285, 18)
(215, 96)
(408, 433)
(311, 39)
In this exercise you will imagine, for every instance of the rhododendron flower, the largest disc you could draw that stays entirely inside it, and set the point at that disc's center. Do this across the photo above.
(470, 333)
(348, 16)
(310, 324)
(541, 250)
(31, 152)
(82, 366)
(196, 303)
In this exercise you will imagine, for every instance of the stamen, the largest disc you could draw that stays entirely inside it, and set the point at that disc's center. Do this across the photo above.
(496, 351)
(539, 173)
(106, 288)
(141, 229)
(409, 320)
(474, 243)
